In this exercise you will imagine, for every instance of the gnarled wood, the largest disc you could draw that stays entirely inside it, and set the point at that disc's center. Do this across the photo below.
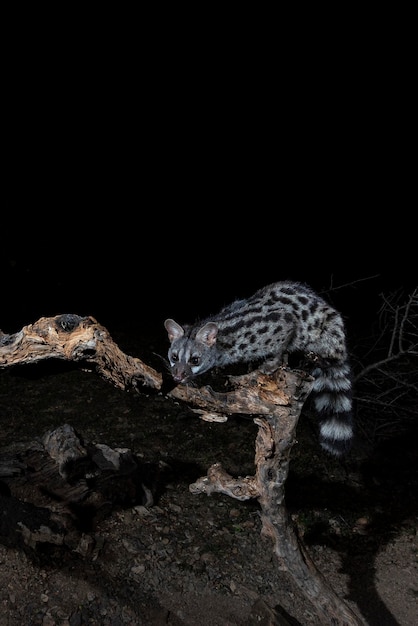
(275, 402)
(254, 393)
(80, 339)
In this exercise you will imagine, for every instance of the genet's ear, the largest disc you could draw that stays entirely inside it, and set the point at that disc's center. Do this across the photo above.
(207, 334)
(174, 330)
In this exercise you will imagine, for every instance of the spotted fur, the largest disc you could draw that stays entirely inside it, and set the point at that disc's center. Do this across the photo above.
(279, 319)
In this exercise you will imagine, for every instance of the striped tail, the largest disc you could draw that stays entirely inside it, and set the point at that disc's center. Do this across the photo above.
(331, 395)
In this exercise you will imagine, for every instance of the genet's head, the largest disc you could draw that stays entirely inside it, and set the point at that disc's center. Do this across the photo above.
(190, 356)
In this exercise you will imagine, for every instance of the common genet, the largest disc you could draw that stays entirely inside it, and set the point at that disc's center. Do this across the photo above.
(282, 318)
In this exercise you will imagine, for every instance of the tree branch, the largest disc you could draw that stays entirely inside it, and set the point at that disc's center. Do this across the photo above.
(79, 339)
(277, 401)
(274, 401)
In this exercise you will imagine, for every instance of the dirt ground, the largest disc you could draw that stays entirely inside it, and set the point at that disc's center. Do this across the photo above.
(179, 559)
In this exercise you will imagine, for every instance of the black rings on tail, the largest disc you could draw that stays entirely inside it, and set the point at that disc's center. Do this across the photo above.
(332, 399)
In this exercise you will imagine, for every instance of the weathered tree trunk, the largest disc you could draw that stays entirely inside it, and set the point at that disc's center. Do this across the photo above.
(275, 402)
(278, 401)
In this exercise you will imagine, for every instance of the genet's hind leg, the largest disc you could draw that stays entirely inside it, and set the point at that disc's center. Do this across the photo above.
(271, 365)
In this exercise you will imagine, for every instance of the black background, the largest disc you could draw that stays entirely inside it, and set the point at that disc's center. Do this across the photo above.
(140, 189)
(131, 272)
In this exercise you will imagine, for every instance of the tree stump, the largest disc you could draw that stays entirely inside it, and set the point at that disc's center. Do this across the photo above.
(274, 401)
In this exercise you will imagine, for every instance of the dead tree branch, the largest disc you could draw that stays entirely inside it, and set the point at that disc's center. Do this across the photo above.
(277, 414)
(387, 375)
(274, 401)
(79, 339)
(399, 332)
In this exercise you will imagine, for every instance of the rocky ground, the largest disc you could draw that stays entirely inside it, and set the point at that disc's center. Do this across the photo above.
(164, 556)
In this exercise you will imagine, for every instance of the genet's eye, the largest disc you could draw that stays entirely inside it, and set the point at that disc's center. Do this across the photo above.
(195, 360)
(174, 357)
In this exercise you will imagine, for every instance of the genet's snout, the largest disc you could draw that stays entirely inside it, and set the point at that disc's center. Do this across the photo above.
(181, 372)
